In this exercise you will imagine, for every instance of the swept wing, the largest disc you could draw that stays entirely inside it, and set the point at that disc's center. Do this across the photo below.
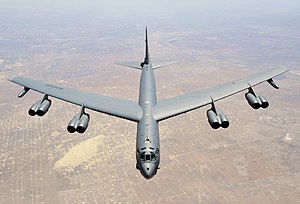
(112, 106)
(181, 104)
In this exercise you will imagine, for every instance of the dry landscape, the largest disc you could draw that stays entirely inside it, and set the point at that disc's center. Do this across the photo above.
(255, 160)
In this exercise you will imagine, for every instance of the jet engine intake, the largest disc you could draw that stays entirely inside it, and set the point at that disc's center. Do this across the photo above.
(83, 123)
(264, 102)
(253, 101)
(79, 123)
(44, 107)
(33, 109)
(256, 101)
(213, 119)
(224, 120)
(72, 124)
(217, 120)
(40, 107)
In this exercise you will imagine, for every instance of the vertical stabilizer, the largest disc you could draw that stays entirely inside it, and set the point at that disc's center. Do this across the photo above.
(140, 65)
(147, 57)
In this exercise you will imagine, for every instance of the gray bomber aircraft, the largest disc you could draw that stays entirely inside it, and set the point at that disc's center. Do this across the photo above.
(148, 112)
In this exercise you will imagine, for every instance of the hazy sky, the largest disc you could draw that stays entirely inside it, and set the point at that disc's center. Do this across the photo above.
(160, 5)
(160, 12)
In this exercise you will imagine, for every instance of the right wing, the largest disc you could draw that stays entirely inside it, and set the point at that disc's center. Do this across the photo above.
(112, 106)
(181, 104)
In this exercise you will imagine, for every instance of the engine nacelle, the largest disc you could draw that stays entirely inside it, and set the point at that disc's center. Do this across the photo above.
(253, 101)
(44, 107)
(79, 123)
(264, 102)
(40, 107)
(213, 119)
(73, 123)
(33, 109)
(217, 120)
(83, 123)
(224, 120)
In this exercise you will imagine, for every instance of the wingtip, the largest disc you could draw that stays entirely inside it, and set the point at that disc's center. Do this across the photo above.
(283, 70)
(11, 78)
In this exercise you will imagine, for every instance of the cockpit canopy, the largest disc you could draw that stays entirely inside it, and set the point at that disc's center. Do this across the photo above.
(147, 156)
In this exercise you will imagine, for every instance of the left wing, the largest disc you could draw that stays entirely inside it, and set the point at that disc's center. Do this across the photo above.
(181, 104)
(112, 106)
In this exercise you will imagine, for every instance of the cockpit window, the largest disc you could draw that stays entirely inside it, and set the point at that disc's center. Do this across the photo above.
(142, 157)
(153, 157)
(148, 157)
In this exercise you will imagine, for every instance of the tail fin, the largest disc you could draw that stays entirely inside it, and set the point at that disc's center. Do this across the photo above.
(138, 65)
(157, 64)
(147, 56)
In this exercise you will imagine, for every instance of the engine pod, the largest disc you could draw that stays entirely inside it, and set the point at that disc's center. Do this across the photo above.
(33, 109)
(224, 120)
(83, 123)
(73, 123)
(253, 101)
(264, 102)
(213, 119)
(44, 107)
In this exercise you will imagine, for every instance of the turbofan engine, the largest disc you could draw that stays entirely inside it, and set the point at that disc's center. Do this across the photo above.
(40, 107)
(217, 119)
(79, 123)
(256, 101)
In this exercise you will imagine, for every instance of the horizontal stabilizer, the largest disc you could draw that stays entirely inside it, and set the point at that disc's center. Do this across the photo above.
(132, 64)
(159, 64)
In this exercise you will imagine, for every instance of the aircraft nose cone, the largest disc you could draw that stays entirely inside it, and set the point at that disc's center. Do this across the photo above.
(148, 170)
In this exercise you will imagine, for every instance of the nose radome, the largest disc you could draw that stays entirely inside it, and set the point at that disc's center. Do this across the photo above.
(148, 170)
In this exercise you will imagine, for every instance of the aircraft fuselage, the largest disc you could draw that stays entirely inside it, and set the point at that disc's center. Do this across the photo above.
(147, 143)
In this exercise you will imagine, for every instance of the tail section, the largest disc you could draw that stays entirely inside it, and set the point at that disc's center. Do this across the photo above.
(159, 64)
(131, 64)
(147, 56)
(138, 65)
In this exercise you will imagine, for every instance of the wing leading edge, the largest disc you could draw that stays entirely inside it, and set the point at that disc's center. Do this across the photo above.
(181, 104)
(109, 105)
